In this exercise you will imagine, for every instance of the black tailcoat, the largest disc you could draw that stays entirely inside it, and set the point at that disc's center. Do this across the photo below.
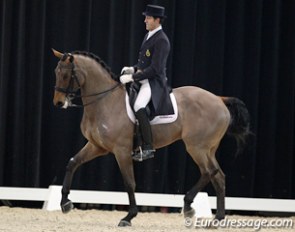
(151, 65)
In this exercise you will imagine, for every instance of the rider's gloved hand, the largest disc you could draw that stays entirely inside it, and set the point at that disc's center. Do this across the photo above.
(126, 78)
(127, 70)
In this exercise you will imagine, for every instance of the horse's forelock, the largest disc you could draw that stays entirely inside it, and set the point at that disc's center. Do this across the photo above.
(67, 56)
(64, 57)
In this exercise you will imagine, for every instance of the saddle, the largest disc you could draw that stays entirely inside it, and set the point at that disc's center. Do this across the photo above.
(133, 89)
(168, 114)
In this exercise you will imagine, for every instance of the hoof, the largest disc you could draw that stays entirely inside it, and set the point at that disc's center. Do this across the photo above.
(190, 213)
(67, 207)
(219, 217)
(124, 223)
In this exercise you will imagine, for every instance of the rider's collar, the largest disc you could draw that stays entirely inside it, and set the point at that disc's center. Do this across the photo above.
(151, 33)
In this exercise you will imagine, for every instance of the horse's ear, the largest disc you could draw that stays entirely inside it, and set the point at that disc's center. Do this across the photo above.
(57, 53)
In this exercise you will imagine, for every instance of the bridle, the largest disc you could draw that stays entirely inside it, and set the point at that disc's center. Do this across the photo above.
(72, 93)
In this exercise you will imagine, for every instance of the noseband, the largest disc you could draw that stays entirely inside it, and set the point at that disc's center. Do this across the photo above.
(72, 93)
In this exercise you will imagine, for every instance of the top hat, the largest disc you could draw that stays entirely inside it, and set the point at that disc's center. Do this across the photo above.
(155, 11)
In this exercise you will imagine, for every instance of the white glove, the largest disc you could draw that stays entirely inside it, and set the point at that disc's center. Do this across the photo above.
(127, 70)
(126, 78)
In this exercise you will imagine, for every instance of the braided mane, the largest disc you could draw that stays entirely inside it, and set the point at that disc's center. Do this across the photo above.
(98, 60)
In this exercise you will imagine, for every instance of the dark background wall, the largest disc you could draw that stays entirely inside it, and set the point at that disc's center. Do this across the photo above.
(241, 48)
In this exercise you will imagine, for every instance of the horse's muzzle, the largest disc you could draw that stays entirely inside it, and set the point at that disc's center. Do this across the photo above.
(60, 100)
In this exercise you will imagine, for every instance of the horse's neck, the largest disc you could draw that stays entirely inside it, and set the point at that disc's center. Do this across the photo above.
(97, 80)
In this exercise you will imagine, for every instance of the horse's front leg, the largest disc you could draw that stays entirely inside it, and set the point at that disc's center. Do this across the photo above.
(87, 153)
(126, 166)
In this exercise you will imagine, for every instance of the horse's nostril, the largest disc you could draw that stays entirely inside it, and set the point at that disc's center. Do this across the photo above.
(59, 104)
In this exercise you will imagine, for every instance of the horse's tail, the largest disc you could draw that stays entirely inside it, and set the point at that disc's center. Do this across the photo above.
(239, 126)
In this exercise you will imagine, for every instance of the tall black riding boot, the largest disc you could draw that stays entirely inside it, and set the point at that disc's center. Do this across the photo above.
(146, 132)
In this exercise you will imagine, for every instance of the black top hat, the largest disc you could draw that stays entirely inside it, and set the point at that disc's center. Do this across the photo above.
(155, 11)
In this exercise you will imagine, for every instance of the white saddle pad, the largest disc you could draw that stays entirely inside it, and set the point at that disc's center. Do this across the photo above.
(161, 119)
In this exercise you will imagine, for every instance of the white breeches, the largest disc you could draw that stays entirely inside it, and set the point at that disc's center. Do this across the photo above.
(144, 95)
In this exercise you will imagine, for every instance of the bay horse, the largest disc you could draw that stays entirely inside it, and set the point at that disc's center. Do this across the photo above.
(203, 119)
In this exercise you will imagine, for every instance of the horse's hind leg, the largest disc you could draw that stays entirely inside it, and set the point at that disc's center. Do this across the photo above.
(88, 152)
(218, 182)
(207, 169)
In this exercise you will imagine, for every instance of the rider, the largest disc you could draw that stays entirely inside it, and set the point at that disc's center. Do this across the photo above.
(150, 72)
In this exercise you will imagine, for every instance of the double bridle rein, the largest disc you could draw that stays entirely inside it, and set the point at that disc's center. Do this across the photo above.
(72, 93)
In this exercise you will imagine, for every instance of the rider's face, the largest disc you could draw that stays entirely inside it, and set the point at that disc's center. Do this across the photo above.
(151, 23)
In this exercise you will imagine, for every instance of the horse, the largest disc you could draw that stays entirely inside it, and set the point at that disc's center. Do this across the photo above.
(203, 120)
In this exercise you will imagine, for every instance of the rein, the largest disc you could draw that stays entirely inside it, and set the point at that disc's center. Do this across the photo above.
(71, 93)
(92, 95)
